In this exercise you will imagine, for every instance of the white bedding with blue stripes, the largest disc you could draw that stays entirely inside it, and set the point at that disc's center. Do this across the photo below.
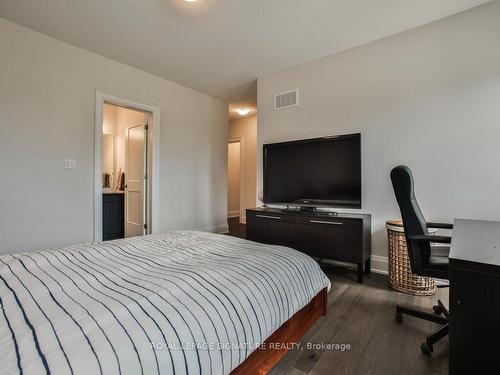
(183, 302)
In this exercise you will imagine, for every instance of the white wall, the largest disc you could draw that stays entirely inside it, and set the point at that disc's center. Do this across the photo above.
(428, 98)
(47, 100)
(233, 179)
(246, 129)
(109, 119)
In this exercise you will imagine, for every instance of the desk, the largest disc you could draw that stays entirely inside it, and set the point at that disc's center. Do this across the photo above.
(475, 297)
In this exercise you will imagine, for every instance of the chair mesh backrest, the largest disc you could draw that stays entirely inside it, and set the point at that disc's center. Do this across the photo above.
(413, 220)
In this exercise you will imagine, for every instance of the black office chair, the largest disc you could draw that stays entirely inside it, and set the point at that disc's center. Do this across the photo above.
(426, 260)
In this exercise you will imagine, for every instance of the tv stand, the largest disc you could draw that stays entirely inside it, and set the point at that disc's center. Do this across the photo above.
(324, 235)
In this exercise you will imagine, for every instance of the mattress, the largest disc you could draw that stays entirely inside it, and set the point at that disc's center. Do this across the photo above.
(183, 302)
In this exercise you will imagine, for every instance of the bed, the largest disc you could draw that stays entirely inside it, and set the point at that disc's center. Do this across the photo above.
(183, 302)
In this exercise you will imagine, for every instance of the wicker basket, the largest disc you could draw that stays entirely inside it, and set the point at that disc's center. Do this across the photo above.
(401, 277)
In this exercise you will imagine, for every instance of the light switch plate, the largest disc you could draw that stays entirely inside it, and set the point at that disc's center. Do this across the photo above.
(69, 164)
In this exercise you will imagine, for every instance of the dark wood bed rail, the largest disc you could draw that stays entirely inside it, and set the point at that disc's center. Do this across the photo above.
(262, 360)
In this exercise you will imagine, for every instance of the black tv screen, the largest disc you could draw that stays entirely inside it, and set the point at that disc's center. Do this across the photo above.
(315, 172)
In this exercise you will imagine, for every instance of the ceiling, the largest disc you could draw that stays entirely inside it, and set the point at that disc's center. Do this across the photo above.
(220, 47)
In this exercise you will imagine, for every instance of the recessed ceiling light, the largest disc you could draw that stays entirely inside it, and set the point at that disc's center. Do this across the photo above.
(243, 111)
(189, 1)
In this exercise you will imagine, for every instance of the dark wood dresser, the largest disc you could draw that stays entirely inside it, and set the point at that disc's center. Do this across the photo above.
(342, 237)
(113, 212)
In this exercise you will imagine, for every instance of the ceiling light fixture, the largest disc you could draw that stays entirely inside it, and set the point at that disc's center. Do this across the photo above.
(189, 1)
(243, 111)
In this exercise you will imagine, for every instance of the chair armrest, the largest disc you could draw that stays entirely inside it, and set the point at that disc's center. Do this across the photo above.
(440, 225)
(430, 238)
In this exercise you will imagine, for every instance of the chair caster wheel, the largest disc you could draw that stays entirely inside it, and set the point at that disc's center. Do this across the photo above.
(438, 310)
(426, 349)
(399, 317)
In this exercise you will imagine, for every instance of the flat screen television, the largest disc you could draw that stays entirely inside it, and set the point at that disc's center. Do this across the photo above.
(314, 172)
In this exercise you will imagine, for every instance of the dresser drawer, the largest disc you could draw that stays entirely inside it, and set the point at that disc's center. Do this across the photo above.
(309, 239)
(344, 242)
(326, 221)
(270, 228)
(330, 237)
(271, 216)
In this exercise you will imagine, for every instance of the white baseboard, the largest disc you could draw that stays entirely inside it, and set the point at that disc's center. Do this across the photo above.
(233, 213)
(221, 229)
(379, 264)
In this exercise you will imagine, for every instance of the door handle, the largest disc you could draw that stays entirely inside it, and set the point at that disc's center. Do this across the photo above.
(326, 222)
(269, 217)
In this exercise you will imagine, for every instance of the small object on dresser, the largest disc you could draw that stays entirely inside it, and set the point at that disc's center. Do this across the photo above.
(106, 179)
(260, 197)
(122, 182)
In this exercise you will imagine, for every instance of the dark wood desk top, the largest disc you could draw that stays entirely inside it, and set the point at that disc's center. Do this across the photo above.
(476, 241)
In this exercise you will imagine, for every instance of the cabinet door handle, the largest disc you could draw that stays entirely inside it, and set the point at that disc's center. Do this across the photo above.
(326, 222)
(269, 217)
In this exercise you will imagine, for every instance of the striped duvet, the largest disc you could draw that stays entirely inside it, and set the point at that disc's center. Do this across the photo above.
(183, 302)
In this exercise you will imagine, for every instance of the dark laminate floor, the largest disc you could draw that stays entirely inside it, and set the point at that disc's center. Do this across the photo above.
(235, 228)
(362, 315)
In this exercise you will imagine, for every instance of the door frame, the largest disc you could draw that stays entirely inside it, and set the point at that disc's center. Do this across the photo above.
(242, 176)
(154, 130)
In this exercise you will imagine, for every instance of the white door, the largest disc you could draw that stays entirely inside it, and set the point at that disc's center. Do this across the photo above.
(135, 181)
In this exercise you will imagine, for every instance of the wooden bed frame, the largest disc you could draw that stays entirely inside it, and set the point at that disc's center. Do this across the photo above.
(262, 360)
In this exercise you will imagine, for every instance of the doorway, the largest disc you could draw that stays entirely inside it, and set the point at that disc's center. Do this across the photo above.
(235, 187)
(126, 167)
(233, 179)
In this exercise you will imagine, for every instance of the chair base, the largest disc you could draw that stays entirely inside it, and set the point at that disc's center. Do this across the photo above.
(428, 346)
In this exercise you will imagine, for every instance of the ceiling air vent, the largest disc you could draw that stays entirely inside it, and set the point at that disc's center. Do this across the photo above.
(286, 99)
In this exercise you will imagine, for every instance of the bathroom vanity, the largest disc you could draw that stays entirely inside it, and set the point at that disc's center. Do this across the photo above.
(113, 206)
